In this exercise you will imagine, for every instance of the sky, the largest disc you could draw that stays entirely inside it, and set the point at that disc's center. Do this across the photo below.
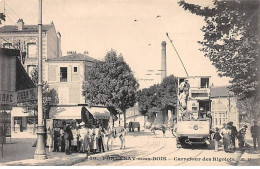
(97, 26)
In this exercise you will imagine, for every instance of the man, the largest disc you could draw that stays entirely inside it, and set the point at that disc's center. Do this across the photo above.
(255, 134)
(100, 138)
(233, 133)
(68, 137)
(184, 87)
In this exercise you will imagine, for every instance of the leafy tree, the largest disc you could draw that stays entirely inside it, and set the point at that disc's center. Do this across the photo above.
(148, 100)
(50, 96)
(111, 83)
(159, 97)
(231, 41)
(249, 108)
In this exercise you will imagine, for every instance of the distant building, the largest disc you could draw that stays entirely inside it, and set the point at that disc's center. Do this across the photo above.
(25, 38)
(66, 75)
(133, 115)
(223, 107)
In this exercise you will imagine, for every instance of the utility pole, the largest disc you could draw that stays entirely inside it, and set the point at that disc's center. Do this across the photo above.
(40, 148)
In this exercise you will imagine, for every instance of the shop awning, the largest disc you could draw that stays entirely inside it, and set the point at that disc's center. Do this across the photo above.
(19, 112)
(65, 112)
(99, 112)
(76, 112)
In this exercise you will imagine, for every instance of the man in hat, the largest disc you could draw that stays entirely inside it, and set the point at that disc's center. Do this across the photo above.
(184, 87)
(233, 133)
(255, 134)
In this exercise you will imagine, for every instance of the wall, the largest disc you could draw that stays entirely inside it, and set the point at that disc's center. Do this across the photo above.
(221, 106)
(69, 92)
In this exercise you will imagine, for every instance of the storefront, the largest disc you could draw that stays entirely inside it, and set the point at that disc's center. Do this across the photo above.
(76, 114)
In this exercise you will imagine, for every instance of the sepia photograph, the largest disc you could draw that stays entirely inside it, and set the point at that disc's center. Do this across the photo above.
(129, 83)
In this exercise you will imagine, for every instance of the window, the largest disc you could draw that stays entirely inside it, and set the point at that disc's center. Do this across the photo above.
(31, 50)
(204, 82)
(7, 45)
(63, 74)
(75, 69)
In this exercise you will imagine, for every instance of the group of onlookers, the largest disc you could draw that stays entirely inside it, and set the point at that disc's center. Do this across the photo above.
(229, 134)
(83, 139)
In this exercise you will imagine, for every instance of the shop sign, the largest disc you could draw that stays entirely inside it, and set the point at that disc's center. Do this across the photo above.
(7, 97)
(26, 95)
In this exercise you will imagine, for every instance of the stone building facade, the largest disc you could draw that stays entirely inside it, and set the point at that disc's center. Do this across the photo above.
(66, 75)
(223, 107)
(25, 38)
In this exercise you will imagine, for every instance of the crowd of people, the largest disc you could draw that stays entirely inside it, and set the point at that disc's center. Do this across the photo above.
(229, 134)
(80, 138)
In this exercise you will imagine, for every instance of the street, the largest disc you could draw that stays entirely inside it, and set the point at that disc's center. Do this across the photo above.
(145, 149)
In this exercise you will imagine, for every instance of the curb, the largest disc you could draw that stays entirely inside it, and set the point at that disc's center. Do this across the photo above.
(70, 163)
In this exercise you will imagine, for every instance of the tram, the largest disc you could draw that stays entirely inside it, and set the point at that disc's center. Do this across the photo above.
(193, 111)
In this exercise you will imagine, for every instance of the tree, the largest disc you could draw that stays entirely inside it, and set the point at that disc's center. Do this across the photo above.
(111, 83)
(159, 97)
(49, 96)
(231, 41)
(249, 108)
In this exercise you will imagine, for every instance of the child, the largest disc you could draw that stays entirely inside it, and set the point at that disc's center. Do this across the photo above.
(216, 138)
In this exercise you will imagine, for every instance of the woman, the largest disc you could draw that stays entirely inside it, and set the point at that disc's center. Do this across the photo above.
(82, 132)
(87, 140)
(75, 138)
(226, 133)
(94, 139)
(241, 137)
(122, 138)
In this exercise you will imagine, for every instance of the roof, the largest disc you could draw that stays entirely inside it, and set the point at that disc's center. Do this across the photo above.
(74, 57)
(26, 28)
(221, 91)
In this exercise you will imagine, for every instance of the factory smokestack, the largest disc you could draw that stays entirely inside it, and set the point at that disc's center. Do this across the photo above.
(163, 60)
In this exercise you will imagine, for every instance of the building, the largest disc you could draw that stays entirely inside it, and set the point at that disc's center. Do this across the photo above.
(223, 107)
(66, 75)
(133, 115)
(25, 38)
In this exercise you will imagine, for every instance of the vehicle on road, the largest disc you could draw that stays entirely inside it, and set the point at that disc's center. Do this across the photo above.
(193, 112)
(132, 125)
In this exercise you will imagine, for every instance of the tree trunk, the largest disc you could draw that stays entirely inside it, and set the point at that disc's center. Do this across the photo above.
(124, 112)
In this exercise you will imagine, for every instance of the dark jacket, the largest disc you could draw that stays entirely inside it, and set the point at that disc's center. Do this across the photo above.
(255, 131)
(217, 136)
(233, 131)
(68, 134)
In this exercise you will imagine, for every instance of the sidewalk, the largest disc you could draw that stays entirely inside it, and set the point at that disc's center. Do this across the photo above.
(250, 157)
(54, 159)
(21, 152)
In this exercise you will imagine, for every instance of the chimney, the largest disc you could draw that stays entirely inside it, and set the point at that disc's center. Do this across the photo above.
(59, 44)
(20, 24)
(163, 60)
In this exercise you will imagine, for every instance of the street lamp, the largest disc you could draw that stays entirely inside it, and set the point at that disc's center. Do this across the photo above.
(40, 148)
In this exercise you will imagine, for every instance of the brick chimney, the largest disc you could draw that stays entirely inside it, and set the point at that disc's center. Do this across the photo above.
(59, 45)
(163, 61)
(20, 24)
